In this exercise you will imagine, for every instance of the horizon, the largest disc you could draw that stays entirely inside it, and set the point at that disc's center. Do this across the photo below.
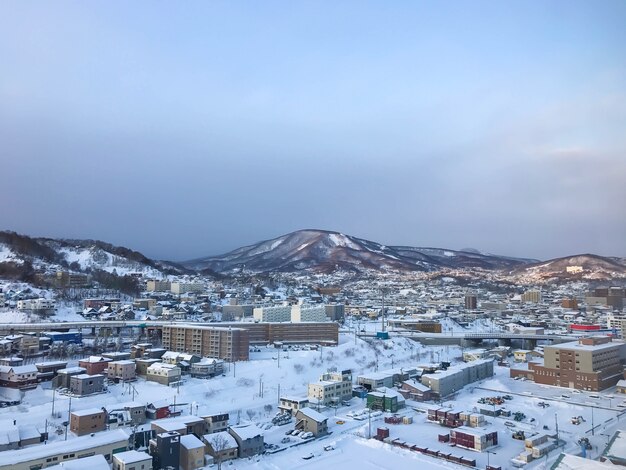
(184, 130)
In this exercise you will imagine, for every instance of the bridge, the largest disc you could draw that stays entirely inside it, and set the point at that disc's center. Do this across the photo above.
(466, 339)
(12, 328)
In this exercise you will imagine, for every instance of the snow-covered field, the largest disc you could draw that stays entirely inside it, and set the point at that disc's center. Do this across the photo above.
(240, 394)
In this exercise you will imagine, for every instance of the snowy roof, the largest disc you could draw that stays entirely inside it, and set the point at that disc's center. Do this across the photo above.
(573, 462)
(12, 457)
(249, 431)
(617, 446)
(87, 412)
(231, 443)
(621, 383)
(94, 462)
(28, 369)
(132, 456)
(189, 441)
(71, 370)
(416, 385)
(576, 346)
(314, 415)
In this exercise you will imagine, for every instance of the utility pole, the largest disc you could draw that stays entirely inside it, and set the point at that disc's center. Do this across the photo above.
(53, 393)
(369, 423)
(593, 433)
(279, 393)
(556, 422)
(69, 411)
(383, 309)
(279, 358)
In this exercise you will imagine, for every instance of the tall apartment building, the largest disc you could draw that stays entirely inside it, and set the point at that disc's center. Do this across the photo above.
(229, 344)
(280, 313)
(179, 288)
(158, 286)
(532, 296)
(592, 363)
(309, 313)
(335, 312)
(617, 322)
(471, 302)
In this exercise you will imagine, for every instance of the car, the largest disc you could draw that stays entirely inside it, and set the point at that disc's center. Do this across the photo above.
(621, 405)
(576, 391)
(328, 448)
(509, 424)
(285, 440)
(565, 396)
(307, 435)
(308, 456)
(340, 422)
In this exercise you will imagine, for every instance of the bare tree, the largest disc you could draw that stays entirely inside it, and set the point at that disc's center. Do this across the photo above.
(219, 443)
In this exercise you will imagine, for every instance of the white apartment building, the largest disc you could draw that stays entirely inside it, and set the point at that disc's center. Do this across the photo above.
(304, 313)
(35, 304)
(185, 287)
(331, 388)
(272, 314)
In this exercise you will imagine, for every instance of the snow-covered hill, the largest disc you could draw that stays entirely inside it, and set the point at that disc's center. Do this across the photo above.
(321, 250)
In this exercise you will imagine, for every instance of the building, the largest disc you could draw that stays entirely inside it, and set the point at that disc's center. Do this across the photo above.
(414, 390)
(309, 420)
(132, 460)
(309, 313)
(615, 451)
(87, 421)
(165, 374)
(335, 312)
(183, 425)
(326, 333)
(82, 385)
(142, 365)
(229, 344)
(249, 439)
(43, 456)
(424, 326)
(446, 382)
(570, 462)
(471, 302)
(121, 371)
(66, 279)
(49, 370)
(35, 304)
(207, 368)
(273, 314)
(292, 404)
(158, 286)
(523, 355)
(191, 452)
(235, 312)
(592, 363)
(570, 304)
(331, 388)
(215, 423)
(165, 450)
(531, 296)
(221, 446)
(385, 378)
(94, 364)
(20, 377)
(179, 288)
(383, 401)
(131, 413)
(473, 438)
(64, 376)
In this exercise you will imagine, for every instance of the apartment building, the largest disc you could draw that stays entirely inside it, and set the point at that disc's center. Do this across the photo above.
(179, 288)
(446, 382)
(331, 388)
(215, 423)
(592, 363)
(308, 313)
(229, 344)
(280, 313)
(532, 296)
(158, 286)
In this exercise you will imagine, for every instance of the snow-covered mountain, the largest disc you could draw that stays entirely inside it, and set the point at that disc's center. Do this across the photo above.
(21, 253)
(321, 250)
(584, 266)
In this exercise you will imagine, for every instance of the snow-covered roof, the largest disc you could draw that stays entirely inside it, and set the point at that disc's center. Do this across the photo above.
(132, 456)
(87, 411)
(230, 441)
(94, 462)
(314, 415)
(249, 431)
(573, 462)
(189, 441)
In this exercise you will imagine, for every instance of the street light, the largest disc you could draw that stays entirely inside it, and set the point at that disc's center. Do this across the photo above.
(488, 453)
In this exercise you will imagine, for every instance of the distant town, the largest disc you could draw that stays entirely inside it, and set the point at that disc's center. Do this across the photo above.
(448, 368)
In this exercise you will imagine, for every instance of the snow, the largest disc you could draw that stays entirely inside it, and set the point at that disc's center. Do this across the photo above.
(94, 462)
(342, 240)
(448, 253)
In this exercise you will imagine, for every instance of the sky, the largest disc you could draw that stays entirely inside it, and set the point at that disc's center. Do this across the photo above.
(186, 129)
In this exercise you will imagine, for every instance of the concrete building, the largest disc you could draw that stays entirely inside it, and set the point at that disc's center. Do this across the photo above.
(309, 420)
(308, 313)
(335, 312)
(207, 368)
(64, 376)
(272, 314)
(326, 333)
(592, 363)
(292, 404)
(132, 460)
(165, 374)
(87, 421)
(95, 364)
(331, 388)
(444, 383)
(235, 312)
(249, 439)
(83, 384)
(121, 371)
(158, 286)
(179, 288)
(471, 302)
(532, 296)
(191, 452)
(229, 344)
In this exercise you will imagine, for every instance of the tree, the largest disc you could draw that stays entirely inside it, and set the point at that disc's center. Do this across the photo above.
(219, 443)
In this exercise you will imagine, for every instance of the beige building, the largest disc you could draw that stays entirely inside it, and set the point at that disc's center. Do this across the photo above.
(158, 286)
(191, 452)
(165, 374)
(281, 313)
(87, 421)
(229, 344)
(331, 388)
(532, 296)
(308, 313)
(132, 460)
(121, 371)
(186, 287)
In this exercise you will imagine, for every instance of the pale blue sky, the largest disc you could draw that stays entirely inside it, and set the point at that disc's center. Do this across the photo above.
(183, 129)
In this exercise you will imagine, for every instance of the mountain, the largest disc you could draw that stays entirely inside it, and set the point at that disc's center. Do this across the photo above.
(326, 251)
(20, 255)
(593, 267)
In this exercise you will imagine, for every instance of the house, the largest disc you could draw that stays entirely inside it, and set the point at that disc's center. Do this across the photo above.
(20, 377)
(132, 460)
(191, 452)
(523, 355)
(141, 366)
(117, 355)
(121, 371)
(309, 420)
(414, 390)
(249, 439)
(165, 450)
(207, 368)
(180, 424)
(93, 462)
(621, 386)
(131, 413)
(94, 364)
(221, 446)
(64, 376)
(292, 404)
(49, 370)
(87, 421)
(215, 423)
(165, 374)
(83, 384)
(158, 410)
